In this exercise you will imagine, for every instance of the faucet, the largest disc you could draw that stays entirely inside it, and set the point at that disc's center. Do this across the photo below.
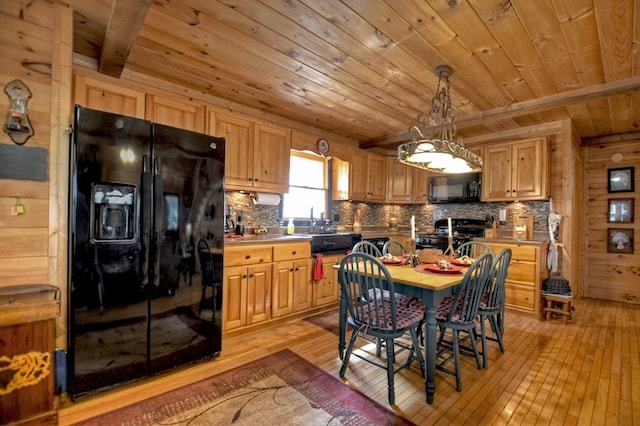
(312, 223)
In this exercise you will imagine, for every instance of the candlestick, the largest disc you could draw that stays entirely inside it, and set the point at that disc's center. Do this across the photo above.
(413, 228)
(450, 231)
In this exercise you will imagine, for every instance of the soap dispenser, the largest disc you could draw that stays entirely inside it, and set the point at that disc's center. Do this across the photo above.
(290, 227)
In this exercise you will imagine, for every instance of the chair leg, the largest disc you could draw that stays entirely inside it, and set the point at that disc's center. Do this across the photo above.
(202, 299)
(456, 358)
(485, 360)
(347, 354)
(474, 345)
(416, 348)
(390, 358)
(496, 329)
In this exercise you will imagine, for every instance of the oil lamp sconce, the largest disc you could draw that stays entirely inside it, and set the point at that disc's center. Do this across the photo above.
(18, 126)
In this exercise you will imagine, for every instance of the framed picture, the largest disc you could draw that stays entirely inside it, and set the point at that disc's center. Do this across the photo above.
(621, 180)
(620, 240)
(621, 210)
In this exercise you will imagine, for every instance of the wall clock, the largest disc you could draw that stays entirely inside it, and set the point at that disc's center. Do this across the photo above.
(322, 146)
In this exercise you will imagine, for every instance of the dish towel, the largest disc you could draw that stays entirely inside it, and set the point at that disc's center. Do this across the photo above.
(318, 270)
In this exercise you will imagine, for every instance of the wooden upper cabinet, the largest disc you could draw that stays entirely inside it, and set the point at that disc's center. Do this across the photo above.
(399, 182)
(104, 96)
(271, 160)
(419, 185)
(367, 176)
(238, 154)
(517, 171)
(358, 174)
(176, 113)
(256, 155)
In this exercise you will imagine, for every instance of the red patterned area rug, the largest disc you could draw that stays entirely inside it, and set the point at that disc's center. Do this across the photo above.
(327, 320)
(282, 388)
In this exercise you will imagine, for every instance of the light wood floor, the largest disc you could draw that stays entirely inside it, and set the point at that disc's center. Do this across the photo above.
(586, 372)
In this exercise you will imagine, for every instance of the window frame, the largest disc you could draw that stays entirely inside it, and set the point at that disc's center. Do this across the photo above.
(309, 155)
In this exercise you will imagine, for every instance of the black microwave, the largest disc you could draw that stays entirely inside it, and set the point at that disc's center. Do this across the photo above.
(454, 188)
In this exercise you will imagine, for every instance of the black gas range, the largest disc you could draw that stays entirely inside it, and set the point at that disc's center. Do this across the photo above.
(463, 230)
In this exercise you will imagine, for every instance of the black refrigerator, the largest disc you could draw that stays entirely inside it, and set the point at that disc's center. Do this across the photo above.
(147, 213)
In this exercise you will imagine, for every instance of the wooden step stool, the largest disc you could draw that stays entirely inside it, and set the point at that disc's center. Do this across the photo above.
(556, 304)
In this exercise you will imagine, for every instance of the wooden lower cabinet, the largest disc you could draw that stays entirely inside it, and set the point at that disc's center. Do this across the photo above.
(265, 281)
(524, 277)
(291, 287)
(246, 295)
(246, 286)
(327, 290)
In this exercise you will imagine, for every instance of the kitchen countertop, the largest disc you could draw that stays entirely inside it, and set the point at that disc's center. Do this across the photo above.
(266, 238)
(511, 241)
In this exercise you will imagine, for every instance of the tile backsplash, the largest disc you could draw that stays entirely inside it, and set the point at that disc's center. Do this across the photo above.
(372, 214)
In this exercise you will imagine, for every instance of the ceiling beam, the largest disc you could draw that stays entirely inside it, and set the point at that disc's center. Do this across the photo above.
(619, 137)
(125, 21)
(558, 100)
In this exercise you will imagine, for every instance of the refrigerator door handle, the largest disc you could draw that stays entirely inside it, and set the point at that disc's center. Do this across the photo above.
(158, 220)
(145, 219)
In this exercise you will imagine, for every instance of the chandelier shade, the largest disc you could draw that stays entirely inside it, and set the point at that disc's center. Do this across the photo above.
(432, 146)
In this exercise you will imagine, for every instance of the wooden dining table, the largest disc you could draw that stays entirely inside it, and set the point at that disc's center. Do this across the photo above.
(428, 286)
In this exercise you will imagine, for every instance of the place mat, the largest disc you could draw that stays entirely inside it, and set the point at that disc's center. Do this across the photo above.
(431, 268)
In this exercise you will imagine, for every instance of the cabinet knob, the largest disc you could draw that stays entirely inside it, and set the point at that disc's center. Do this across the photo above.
(291, 270)
(248, 256)
(244, 276)
(294, 252)
(250, 275)
(297, 269)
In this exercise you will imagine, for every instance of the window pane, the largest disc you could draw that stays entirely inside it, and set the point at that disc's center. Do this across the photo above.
(307, 190)
(306, 172)
(298, 202)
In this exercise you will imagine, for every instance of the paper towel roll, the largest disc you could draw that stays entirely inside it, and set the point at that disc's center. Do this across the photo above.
(266, 199)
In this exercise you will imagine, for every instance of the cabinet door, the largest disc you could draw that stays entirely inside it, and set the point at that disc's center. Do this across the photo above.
(234, 289)
(377, 177)
(238, 162)
(327, 290)
(302, 290)
(103, 96)
(398, 182)
(528, 165)
(272, 146)
(419, 185)
(176, 113)
(282, 288)
(497, 173)
(358, 174)
(258, 293)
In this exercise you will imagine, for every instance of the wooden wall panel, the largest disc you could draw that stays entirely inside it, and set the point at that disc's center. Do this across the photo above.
(611, 276)
(24, 240)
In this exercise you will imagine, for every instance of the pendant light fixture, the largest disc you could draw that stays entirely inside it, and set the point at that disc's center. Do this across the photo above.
(432, 146)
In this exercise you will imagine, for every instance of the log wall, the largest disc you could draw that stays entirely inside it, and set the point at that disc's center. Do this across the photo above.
(611, 276)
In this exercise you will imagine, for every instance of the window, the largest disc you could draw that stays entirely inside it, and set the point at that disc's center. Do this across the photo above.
(307, 186)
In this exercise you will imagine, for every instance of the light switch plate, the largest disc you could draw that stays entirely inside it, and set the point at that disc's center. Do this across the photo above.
(502, 218)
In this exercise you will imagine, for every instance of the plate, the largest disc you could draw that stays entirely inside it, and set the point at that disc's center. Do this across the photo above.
(429, 267)
(457, 262)
(395, 261)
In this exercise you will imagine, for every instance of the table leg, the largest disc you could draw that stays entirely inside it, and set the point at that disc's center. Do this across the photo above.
(430, 352)
(342, 325)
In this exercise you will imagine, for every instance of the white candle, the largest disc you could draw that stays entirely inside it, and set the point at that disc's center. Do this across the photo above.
(450, 231)
(413, 227)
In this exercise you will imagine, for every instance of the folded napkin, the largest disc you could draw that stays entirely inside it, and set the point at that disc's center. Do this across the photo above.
(318, 270)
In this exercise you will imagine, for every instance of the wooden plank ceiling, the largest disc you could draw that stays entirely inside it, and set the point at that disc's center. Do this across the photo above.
(365, 68)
